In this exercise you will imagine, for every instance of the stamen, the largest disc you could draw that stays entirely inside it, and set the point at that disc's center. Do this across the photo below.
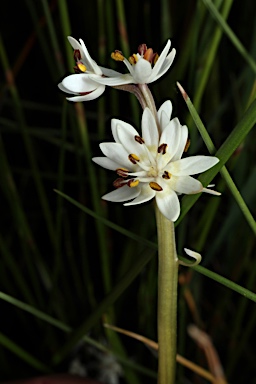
(122, 172)
(148, 55)
(162, 148)
(118, 183)
(139, 139)
(133, 158)
(133, 183)
(155, 58)
(77, 55)
(155, 186)
(81, 67)
(166, 175)
(133, 59)
(117, 55)
(187, 145)
(142, 49)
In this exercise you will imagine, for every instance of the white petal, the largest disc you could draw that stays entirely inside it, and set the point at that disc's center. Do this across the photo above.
(168, 204)
(192, 165)
(171, 137)
(161, 58)
(142, 71)
(126, 135)
(146, 194)
(89, 62)
(113, 81)
(64, 89)
(117, 153)
(75, 44)
(182, 143)
(165, 66)
(195, 255)
(106, 163)
(149, 130)
(110, 72)
(122, 194)
(79, 83)
(167, 108)
(164, 114)
(185, 184)
(90, 96)
(115, 123)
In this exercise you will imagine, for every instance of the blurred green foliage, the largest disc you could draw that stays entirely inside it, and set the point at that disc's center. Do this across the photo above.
(73, 266)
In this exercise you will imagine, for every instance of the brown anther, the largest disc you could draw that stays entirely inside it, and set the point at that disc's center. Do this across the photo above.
(118, 183)
(122, 172)
(133, 158)
(133, 183)
(187, 145)
(166, 175)
(162, 148)
(133, 59)
(155, 58)
(139, 139)
(148, 55)
(77, 55)
(76, 69)
(155, 186)
(142, 49)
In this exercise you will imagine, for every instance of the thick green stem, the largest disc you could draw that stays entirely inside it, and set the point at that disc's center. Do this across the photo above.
(167, 299)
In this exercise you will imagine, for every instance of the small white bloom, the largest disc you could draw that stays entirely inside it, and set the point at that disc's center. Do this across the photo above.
(150, 165)
(81, 84)
(145, 66)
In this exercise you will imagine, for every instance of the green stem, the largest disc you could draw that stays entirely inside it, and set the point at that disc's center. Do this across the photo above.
(167, 299)
(149, 99)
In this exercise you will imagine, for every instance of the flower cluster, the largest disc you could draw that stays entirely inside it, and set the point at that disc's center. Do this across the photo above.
(89, 83)
(150, 165)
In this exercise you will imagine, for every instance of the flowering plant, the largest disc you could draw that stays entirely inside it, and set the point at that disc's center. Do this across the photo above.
(148, 165)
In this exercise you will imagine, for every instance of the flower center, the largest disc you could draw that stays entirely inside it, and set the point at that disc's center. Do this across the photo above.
(143, 52)
(152, 172)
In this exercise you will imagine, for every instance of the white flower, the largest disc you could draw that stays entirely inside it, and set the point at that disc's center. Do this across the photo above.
(150, 165)
(81, 84)
(145, 66)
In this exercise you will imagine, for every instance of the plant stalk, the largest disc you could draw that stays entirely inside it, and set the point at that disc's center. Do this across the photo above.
(167, 299)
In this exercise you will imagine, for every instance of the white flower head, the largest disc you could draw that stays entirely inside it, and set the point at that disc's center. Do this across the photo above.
(81, 84)
(150, 165)
(145, 66)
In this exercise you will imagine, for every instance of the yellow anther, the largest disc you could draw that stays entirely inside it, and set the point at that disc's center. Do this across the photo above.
(133, 158)
(81, 67)
(117, 56)
(133, 59)
(155, 186)
(166, 175)
(133, 183)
